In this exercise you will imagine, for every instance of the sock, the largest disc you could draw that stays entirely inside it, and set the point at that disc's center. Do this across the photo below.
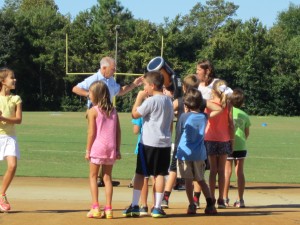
(95, 205)
(158, 197)
(107, 207)
(167, 195)
(136, 197)
(197, 194)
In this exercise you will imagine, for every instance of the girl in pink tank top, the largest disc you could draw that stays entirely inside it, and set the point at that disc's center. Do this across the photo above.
(103, 145)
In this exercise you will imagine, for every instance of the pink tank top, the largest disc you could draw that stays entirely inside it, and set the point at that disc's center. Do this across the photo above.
(217, 128)
(104, 146)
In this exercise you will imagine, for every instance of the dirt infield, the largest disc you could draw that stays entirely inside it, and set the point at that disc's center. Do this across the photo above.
(56, 201)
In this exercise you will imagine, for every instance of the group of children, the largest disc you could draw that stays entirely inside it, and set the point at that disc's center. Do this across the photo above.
(205, 129)
(210, 134)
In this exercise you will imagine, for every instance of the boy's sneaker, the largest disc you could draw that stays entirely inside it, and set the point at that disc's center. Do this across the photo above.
(107, 213)
(239, 204)
(210, 210)
(158, 213)
(197, 202)
(192, 209)
(94, 213)
(226, 201)
(4, 204)
(143, 210)
(132, 211)
(221, 204)
(165, 203)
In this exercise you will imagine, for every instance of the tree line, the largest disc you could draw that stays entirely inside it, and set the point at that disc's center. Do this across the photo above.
(264, 62)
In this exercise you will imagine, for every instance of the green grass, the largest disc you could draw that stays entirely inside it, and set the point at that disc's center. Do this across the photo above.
(53, 145)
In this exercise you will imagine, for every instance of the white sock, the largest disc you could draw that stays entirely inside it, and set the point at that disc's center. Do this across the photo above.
(158, 199)
(136, 197)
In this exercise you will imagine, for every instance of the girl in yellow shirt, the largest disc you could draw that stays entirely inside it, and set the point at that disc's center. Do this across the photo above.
(10, 114)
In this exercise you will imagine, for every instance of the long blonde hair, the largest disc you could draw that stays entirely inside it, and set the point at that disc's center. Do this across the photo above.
(218, 88)
(4, 72)
(101, 97)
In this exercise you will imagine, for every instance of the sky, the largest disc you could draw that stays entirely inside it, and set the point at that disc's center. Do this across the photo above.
(156, 10)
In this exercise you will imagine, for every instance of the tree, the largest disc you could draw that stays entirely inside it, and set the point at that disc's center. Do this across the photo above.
(41, 35)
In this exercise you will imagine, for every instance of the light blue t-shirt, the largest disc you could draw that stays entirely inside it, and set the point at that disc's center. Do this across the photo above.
(139, 123)
(191, 143)
(113, 86)
(157, 112)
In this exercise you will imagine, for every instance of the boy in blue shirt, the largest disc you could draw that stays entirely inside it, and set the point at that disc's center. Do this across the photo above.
(191, 152)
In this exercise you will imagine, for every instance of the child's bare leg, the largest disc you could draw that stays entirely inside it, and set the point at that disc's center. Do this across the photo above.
(94, 169)
(228, 172)
(205, 189)
(171, 181)
(212, 174)
(9, 174)
(189, 190)
(159, 186)
(107, 171)
(221, 174)
(239, 169)
(144, 192)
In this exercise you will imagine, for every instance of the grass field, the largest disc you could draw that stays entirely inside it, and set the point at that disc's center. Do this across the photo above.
(53, 145)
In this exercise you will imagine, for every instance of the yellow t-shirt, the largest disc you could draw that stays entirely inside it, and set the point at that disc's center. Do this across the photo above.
(8, 106)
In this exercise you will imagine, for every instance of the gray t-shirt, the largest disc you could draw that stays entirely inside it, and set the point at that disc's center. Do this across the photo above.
(157, 112)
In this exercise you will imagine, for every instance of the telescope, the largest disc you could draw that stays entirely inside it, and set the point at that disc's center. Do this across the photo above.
(172, 82)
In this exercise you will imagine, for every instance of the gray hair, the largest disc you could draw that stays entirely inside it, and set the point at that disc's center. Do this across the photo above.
(106, 61)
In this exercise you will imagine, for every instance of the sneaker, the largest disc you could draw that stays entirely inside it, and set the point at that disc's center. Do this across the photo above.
(132, 211)
(158, 213)
(196, 202)
(100, 183)
(94, 213)
(4, 204)
(192, 209)
(107, 213)
(114, 183)
(239, 204)
(226, 201)
(143, 210)
(165, 203)
(210, 210)
(221, 204)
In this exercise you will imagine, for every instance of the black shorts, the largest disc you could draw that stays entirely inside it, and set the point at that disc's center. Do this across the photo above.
(153, 161)
(237, 155)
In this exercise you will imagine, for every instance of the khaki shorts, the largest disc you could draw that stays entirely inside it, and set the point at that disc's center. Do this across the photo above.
(191, 169)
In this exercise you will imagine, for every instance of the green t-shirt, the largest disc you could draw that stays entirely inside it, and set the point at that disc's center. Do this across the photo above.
(241, 121)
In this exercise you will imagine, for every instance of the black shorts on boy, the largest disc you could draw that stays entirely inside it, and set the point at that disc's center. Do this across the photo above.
(153, 161)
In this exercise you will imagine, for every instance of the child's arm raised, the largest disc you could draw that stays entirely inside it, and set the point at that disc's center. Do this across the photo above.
(215, 108)
(139, 100)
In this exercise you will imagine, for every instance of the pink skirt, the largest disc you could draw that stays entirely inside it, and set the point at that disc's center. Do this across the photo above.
(99, 161)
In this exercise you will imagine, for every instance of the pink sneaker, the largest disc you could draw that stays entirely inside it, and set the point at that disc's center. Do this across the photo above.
(4, 204)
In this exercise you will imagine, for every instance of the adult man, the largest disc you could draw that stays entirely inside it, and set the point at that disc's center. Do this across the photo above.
(105, 74)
